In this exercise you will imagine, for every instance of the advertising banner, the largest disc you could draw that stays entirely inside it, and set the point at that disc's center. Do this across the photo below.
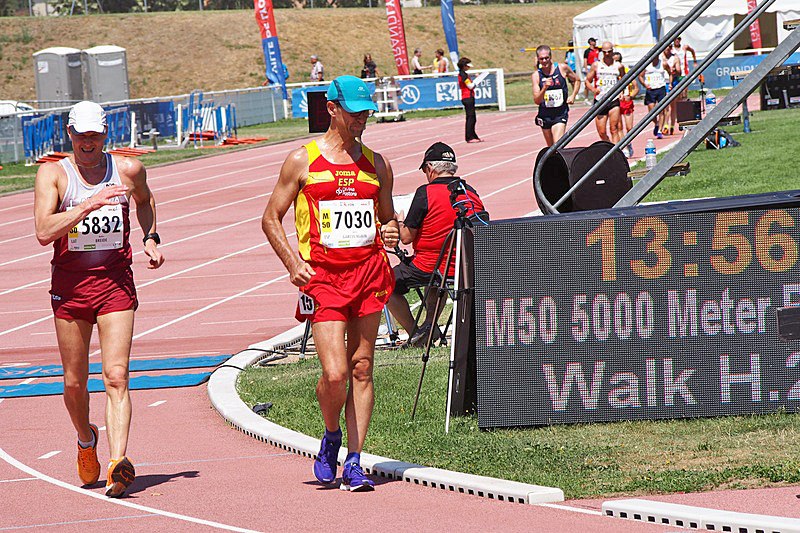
(441, 92)
(718, 73)
(397, 36)
(265, 17)
(450, 35)
(755, 27)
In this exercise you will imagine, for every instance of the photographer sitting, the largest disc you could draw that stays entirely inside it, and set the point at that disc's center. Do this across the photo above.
(428, 222)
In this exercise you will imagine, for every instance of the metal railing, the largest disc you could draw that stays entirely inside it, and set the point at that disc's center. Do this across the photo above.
(700, 130)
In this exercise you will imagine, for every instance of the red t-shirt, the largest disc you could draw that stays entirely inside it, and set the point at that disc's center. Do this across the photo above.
(466, 92)
(432, 215)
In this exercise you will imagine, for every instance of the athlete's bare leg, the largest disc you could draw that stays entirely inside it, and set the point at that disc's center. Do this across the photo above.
(556, 132)
(73, 343)
(548, 136)
(614, 124)
(600, 122)
(332, 384)
(361, 335)
(116, 331)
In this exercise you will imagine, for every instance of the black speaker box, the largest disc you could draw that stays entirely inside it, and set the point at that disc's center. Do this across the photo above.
(318, 118)
(564, 168)
(688, 110)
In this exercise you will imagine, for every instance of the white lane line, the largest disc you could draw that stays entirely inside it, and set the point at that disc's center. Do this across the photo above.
(114, 501)
(156, 404)
(18, 479)
(568, 508)
(48, 455)
(101, 428)
(85, 521)
(156, 280)
(217, 459)
(27, 381)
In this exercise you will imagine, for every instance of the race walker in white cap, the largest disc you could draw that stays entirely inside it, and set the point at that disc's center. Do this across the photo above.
(81, 206)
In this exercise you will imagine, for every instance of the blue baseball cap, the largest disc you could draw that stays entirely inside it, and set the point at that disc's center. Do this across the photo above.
(352, 94)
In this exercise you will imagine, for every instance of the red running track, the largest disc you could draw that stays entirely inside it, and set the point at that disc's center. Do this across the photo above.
(221, 290)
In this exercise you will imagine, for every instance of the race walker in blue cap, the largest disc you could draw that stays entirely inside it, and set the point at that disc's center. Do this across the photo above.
(344, 216)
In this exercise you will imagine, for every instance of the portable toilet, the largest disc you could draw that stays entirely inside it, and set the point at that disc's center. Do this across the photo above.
(105, 74)
(58, 75)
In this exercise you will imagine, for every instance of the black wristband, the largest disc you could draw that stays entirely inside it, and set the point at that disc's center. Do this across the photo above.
(153, 236)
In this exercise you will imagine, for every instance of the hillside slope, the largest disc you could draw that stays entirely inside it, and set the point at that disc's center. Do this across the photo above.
(173, 53)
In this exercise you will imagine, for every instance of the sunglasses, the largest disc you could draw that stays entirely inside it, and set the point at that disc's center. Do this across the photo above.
(608, 51)
(544, 58)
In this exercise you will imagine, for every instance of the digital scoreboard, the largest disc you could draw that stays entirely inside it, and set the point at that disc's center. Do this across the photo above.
(662, 311)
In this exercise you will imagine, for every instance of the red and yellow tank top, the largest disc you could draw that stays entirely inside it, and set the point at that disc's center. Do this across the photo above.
(336, 210)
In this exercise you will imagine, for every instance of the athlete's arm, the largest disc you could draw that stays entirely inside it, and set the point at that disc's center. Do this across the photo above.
(538, 94)
(133, 171)
(694, 55)
(390, 229)
(590, 79)
(569, 74)
(52, 225)
(642, 80)
(291, 176)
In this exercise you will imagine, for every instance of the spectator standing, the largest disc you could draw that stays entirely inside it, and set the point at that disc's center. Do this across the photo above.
(569, 57)
(417, 66)
(440, 64)
(317, 69)
(590, 56)
(369, 70)
(467, 89)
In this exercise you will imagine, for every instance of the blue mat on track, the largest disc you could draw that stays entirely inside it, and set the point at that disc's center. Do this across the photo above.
(96, 385)
(136, 365)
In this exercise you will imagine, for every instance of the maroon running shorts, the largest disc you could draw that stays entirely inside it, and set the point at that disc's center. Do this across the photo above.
(86, 295)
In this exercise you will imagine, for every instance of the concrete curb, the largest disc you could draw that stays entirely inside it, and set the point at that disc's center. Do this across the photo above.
(225, 399)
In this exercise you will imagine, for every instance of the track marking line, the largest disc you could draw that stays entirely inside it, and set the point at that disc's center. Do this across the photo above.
(101, 428)
(156, 404)
(568, 508)
(113, 501)
(48, 455)
(86, 521)
(18, 479)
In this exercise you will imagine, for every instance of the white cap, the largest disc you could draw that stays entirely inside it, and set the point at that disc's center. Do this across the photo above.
(87, 116)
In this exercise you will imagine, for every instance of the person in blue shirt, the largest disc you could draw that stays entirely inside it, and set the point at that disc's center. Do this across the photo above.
(569, 58)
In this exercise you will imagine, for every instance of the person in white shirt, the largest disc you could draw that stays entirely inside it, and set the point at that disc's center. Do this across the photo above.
(655, 78)
(418, 68)
(317, 70)
(607, 73)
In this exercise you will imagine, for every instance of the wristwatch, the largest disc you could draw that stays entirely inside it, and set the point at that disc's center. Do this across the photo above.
(153, 236)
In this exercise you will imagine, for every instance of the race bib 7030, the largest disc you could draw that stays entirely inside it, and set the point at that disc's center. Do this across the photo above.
(347, 223)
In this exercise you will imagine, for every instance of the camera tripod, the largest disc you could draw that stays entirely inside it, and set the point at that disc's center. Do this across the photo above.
(454, 253)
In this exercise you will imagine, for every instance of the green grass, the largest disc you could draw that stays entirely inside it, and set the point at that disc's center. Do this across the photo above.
(585, 461)
(763, 163)
(588, 460)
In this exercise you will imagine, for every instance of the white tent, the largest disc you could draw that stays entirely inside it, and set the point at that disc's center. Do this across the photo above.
(627, 23)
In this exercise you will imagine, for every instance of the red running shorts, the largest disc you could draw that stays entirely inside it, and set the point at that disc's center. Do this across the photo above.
(626, 107)
(343, 294)
(86, 295)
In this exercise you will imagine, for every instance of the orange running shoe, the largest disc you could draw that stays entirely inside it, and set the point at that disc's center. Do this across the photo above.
(88, 465)
(120, 475)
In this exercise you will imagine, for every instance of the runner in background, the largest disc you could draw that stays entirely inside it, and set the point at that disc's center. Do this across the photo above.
(81, 204)
(655, 78)
(602, 77)
(569, 57)
(672, 64)
(551, 93)
(344, 215)
(626, 106)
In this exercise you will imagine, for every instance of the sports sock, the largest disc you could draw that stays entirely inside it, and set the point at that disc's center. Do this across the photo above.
(333, 435)
(89, 444)
(353, 457)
